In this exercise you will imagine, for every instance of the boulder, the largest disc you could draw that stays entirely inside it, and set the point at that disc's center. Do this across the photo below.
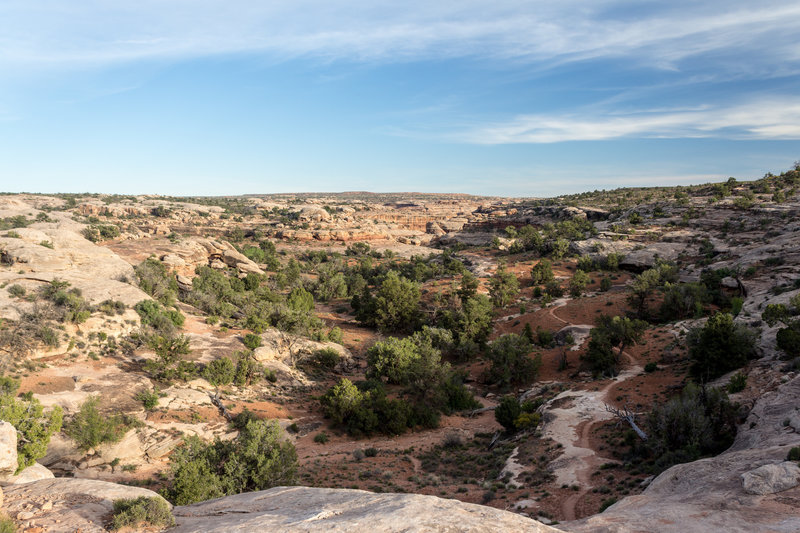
(769, 479)
(35, 472)
(8, 449)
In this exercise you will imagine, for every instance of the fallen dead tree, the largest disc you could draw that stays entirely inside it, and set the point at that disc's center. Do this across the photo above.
(626, 415)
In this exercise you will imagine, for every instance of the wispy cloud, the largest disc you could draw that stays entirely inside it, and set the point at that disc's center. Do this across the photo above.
(775, 119)
(56, 33)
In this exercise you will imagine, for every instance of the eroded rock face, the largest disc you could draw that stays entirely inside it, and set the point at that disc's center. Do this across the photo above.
(296, 509)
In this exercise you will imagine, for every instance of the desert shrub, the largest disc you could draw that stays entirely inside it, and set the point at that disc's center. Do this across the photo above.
(7, 524)
(470, 324)
(34, 426)
(141, 512)
(154, 315)
(737, 383)
(257, 459)
(397, 304)
(16, 290)
(168, 365)
(605, 284)
(321, 437)
(544, 337)
(719, 347)
(149, 398)
(794, 454)
(683, 300)
(112, 307)
(101, 232)
(220, 372)
(697, 423)
(248, 370)
(586, 263)
(402, 361)
(252, 341)
(578, 283)
(327, 358)
(365, 412)
(88, 428)
(336, 335)
(156, 280)
(510, 362)
(788, 338)
(650, 367)
(542, 272)
(554, 289)
(507, 412)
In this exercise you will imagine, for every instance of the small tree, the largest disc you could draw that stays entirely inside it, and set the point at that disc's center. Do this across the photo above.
(396, 304)
(542, 272)
(503, 287)
(507, 412)
(89, 428)
(578, 283)
(510, 362)
(34, 426)
(719, 346)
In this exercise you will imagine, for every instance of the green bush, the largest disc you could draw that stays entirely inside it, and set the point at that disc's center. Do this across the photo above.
(148, 398)
(578, 283)
(788, 338)
(396, 304)
(220, 372)
(252, 341)
(542, 272)
(88, 428)
(719, 347)
(507, 412)
(156, 280)
(335, 335)
(257, 459)
(163, 321)
(321, 437)
(737, 383)
(327, 358)
(695, 424)
(7, 524)
(16, 290)
(510, 362)
(141, 512)
(794, 454)
(34, 426)
(650, 367)
(248, 370)
(101, 232)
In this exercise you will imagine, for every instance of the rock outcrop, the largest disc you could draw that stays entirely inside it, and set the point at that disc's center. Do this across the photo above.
(66, 504)
(303, 509)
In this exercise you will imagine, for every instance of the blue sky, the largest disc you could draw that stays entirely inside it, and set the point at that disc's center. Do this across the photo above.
(521, 98)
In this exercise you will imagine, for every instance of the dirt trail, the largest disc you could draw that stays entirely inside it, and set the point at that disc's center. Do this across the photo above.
(571, 425)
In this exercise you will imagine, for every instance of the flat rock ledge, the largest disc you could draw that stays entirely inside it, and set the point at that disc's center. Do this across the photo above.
(296, 509)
